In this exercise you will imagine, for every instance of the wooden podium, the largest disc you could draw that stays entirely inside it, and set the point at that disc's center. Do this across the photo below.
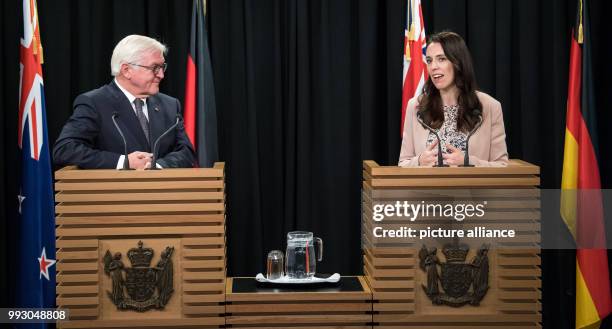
(347, 304)
(394, 268)
(164, 228)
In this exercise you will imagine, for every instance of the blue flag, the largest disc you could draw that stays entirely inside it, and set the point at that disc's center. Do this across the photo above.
(35, 284)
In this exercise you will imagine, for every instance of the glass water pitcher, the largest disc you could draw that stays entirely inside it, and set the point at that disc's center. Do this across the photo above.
(300, 258)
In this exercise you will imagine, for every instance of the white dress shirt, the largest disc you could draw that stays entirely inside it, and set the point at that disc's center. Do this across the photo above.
(131, 98)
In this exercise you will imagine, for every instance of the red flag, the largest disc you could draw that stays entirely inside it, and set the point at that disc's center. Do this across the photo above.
(581, 204)
(415, 72)
(200, 108)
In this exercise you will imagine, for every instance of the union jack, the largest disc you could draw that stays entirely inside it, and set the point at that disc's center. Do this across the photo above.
(31, 81)
(415, 72)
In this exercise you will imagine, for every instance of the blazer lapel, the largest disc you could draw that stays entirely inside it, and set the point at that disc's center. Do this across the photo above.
(421, 134)
(128, 118)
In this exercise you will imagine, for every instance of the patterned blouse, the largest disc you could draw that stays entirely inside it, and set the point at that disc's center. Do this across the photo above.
(448, 132)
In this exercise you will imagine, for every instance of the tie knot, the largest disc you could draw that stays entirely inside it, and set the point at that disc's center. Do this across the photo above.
(138, 103)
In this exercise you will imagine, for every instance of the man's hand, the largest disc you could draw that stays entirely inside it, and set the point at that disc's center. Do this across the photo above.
(429, 157)
(455, 158)
(139, 160)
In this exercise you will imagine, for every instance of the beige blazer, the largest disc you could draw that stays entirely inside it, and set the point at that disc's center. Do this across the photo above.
(487, 146)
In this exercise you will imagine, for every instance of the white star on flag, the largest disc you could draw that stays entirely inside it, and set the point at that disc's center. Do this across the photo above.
(20, 198)
(44, 264)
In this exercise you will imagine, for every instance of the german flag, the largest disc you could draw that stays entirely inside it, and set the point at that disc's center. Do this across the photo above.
(200, 107)
(581, 203)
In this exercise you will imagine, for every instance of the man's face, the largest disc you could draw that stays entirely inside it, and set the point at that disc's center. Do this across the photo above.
(142, 79)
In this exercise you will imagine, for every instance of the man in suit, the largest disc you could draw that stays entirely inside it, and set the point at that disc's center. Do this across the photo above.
(90, 139)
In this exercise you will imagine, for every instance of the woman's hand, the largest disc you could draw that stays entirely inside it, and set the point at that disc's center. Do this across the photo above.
(455, 158)
(429, 157)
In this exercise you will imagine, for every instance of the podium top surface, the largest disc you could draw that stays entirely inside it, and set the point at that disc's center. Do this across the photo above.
(75, 173)
(515, 167)
(518, 174)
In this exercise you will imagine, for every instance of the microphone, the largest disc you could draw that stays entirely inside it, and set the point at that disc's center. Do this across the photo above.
(440, 160)
(155, 145)
(126, 161)
(466, 156)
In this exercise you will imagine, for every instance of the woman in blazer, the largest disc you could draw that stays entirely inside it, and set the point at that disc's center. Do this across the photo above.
(451, 106)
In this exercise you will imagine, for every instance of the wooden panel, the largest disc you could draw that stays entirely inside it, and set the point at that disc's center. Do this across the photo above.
(73, 255)
(197, 264)
(391, 264)
(83, 312)
(216, 275)
(128, 231)
(76, 290)
(300, 306)
(76, 278)
(275, 320)
(139, 208)
(314, 309)
(113, 210)
(534, 294)
(203, 298)
(144, 197)
(216, 252)
(87, 185)
(469, 325)
(515, 167)
(457, 182)
(62, 243)
(498, 319)
(317, 326)
(202, 241)
(135, 219)
(73, 173)
(62, 266)
(204, 309)
(212, 322)
(532, 272)
(74, 301)
(203, 287)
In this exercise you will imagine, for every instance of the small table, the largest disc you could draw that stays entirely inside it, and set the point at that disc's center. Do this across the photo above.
(252, 305)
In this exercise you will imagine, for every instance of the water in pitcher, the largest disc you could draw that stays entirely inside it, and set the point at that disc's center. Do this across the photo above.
(300, 258)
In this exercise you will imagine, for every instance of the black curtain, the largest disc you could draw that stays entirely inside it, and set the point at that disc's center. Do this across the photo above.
(306, 90)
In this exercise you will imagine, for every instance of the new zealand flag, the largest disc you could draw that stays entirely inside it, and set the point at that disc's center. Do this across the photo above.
(36, 250)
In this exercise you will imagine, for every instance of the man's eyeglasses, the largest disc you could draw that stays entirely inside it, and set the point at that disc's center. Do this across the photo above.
(154, 68)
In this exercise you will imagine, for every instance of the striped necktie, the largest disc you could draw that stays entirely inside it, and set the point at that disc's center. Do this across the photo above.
(144, 123)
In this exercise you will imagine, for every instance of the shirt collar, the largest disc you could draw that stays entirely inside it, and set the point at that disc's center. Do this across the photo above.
(127, 94)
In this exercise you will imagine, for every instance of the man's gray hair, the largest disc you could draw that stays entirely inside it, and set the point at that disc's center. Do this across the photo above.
(131, 49)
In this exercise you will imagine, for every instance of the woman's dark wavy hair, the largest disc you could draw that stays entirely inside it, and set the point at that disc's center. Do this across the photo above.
(430, 105)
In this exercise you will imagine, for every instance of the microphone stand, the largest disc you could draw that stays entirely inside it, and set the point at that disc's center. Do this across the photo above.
(466, 155)
(126, 161)
(440, 160)
(155, 145)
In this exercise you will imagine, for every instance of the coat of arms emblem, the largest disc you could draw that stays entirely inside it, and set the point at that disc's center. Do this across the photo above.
(147, 287)
(462, 283)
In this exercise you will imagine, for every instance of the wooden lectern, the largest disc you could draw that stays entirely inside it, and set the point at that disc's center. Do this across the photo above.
(420, 287)
(141, 248)
(346, 304)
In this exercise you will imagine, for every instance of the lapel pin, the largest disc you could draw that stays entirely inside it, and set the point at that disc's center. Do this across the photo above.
(156, 109)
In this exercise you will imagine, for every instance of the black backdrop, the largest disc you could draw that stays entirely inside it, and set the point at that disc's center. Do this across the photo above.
(305, 91)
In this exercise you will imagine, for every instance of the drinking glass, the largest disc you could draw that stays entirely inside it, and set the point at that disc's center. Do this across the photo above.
(275, 265)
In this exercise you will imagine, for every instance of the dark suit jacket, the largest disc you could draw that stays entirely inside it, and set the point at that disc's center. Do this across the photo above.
(90, 140)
